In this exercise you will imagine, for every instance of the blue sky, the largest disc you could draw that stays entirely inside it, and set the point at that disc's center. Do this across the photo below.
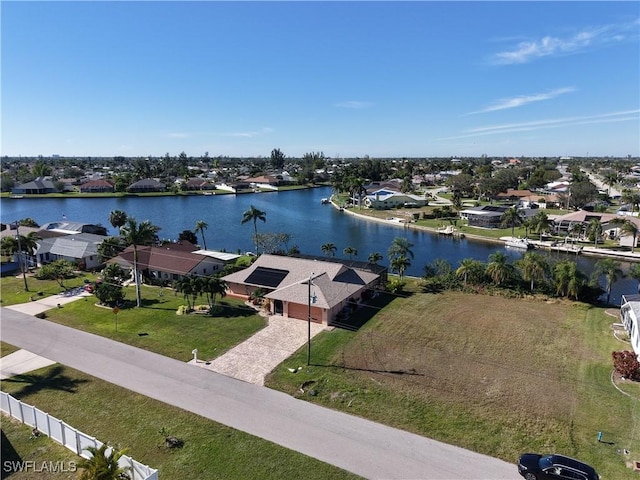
(349, 79)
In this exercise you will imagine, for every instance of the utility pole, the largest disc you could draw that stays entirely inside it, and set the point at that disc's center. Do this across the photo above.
(23, 267)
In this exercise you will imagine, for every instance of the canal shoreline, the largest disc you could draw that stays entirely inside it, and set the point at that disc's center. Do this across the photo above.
(543, 245)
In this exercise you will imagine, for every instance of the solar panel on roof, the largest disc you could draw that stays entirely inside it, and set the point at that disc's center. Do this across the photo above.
(267, 277)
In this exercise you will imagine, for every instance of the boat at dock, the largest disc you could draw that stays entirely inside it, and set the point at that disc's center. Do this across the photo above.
(448, 230)
(520, 243)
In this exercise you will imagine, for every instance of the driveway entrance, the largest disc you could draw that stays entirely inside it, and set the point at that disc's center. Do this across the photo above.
(254, 358)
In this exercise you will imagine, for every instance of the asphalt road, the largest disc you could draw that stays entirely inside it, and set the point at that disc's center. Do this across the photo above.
(360, 446)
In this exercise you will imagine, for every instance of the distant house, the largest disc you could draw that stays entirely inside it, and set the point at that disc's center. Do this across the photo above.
(490, 216)
(168, 263)
(37, 187)
(269, 182)
(611, 224)
(385, 199)
(234, 187)
(147, 185)
(333, 288)
(65, 227)
(97, 186)
(630, 316)
(81, 249)
(198, 184)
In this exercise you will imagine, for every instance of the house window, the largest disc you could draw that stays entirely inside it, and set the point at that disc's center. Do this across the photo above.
(204, 271)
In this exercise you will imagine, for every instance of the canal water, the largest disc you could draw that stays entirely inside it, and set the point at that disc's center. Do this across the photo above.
(296, 212)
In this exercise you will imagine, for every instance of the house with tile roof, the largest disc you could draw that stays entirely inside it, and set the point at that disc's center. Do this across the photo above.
(38, 186)
(147, 185)
(611, 224)
(334, 286)
(170, 262)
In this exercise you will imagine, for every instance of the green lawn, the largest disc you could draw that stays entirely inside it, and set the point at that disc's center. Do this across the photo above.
(120, 417)
(12, 289)
(495, 375)
(157, 327)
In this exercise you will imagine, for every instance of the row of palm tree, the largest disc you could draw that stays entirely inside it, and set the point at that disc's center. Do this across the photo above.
(564, 278)
(194, 286)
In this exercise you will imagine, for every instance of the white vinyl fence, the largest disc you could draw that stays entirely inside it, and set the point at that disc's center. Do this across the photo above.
(66, 435)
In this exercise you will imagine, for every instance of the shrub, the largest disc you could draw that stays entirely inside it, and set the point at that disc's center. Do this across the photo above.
(627, 365)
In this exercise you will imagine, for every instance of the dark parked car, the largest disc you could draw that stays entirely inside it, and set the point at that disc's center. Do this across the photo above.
(554, 467)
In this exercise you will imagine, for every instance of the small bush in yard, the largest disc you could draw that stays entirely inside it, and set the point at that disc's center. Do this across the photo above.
(627, 365)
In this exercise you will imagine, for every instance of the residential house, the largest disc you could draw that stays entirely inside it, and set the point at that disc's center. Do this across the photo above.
(630, 316)
(611, 224)
(147, 185)
(334, 286)
(38, 186)
(170, 262)
(268, 182)
(490, 216)
(386, 199)
(80, 248)
(97, 186)
(198, 183)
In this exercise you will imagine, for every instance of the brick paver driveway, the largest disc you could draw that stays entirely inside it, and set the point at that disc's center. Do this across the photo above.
(254, 358)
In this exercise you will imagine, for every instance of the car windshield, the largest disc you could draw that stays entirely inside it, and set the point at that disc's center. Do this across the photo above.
(545, 462)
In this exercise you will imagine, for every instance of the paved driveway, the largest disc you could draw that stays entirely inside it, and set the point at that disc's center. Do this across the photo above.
(254, 358)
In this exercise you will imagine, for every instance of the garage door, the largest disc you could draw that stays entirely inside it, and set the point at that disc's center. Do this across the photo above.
(297, 310)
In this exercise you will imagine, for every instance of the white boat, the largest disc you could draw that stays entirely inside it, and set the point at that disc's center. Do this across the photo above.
(448, 230)
(324, 201)
(521, 243)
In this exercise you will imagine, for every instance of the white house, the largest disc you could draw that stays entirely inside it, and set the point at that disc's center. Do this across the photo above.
(630, 316)
(385, 199)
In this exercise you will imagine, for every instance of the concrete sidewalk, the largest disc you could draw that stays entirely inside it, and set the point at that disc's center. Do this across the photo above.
(40, 305)
(20, 362)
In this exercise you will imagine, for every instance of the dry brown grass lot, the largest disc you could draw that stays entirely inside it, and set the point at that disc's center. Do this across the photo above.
(497, 375)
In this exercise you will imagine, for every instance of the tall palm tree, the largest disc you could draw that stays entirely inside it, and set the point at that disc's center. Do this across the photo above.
(610, 269)
(134, 233)
(533, 268)
(214, 286)
(117, 218)
(184, 286)
(329, 249)
(351, 251)
(568, 279)
(511, 218)
(103, 466)
(400, 263)
(374, 258)
(400, 247)
(201, 226)
(541, 223)
(498, 268)
(253, 215)
(630, 228)
(594, 230)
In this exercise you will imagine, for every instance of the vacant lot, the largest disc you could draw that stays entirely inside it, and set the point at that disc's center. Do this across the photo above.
(496, 375)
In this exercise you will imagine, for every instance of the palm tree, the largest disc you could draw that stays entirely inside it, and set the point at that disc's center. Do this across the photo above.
(400, 247)
(541, 223)
(136, 234)
(329, 249)
(498, 268)
(351, 251)
(630, 228)
(634, 272)
(400, 263)
(468, 267)
(253, 214)
(201, 226)
(511, 218)
(594, 230)
(117, 218)
(533, 268)
(183, 285)
(103, 466)
(214, 286)
(610, 269)
(568, 279)
(374, 258)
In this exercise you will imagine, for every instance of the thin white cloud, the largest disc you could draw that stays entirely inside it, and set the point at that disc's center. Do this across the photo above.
(178, 135)
(622, 116)
(250, 134)
(528, 51)
(353, 104)
(520, 100)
